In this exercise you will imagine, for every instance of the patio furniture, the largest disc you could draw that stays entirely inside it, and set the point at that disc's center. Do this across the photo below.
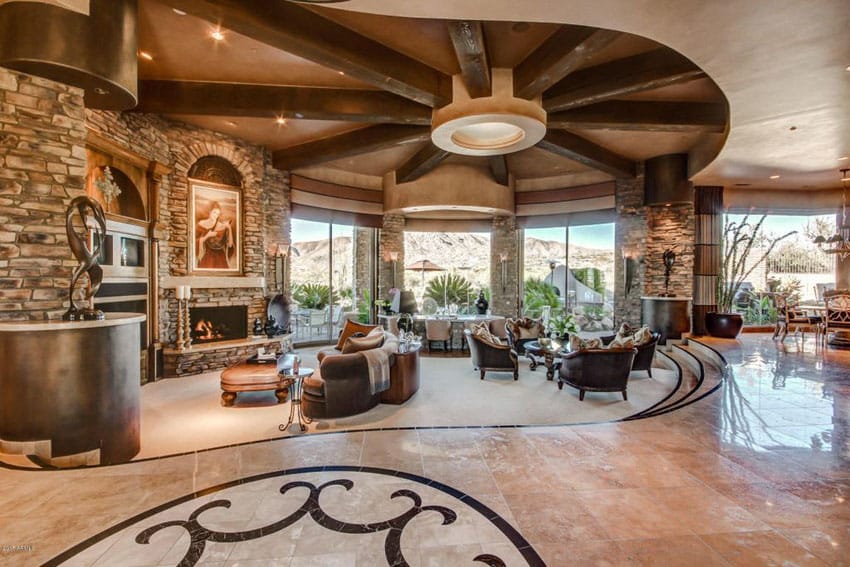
(790, 317)
(490, 356)
(597, 370)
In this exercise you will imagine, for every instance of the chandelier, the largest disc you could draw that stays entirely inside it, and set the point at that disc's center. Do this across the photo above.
(838, 243)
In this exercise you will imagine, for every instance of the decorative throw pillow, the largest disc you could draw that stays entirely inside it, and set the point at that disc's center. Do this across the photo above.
(482, 331)
(642, 336)
(349, 329)
(577, 343)
(622, 342)
(625, 330)
(370, 341)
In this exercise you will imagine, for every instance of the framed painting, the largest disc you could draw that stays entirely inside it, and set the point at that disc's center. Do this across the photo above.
(215, 229)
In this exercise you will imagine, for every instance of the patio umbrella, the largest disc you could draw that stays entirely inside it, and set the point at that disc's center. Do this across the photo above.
(424, 266)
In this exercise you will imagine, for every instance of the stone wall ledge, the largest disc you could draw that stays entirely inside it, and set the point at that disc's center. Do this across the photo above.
(213, 282)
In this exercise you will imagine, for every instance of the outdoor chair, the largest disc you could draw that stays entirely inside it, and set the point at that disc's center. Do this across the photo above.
(789, 318)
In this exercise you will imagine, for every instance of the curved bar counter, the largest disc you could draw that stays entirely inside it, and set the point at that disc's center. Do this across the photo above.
(71, 389)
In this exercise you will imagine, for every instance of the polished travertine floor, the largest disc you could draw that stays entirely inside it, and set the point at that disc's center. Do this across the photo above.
(756, 473)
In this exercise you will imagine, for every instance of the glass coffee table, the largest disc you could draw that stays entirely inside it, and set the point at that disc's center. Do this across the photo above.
(295, 413)
(550, 353)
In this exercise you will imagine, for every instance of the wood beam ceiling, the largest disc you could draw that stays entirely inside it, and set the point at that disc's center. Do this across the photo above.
(264, 101)
(647, 116)
(584, 151)
(561, 54)
(349, 144)
(422, 162)
(471, 50)
(296, 30)
(646, 71)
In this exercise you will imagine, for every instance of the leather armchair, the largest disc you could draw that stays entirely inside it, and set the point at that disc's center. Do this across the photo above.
(340, 386)
(645, 352)
(488, 356)
(597, 370)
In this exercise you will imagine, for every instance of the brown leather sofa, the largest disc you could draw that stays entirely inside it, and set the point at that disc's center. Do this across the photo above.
(340, 386)
(645, 352)
(597, 370)
(488, 356)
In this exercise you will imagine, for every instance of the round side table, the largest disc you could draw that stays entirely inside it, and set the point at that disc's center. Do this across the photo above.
(295, 413)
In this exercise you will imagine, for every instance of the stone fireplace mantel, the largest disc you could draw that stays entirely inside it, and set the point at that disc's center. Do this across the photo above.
(212, 282)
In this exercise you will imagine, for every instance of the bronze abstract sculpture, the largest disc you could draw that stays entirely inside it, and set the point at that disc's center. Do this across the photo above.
(86, 248)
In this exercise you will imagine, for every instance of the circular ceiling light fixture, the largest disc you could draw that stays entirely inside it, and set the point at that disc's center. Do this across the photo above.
(486, 126)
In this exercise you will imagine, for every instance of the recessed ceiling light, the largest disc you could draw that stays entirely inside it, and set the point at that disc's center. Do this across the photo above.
(217, 35)
(231, 123)
(341, 72)
(100, 91)
(843, 158)
(299, 115)
(847, 68)
(178, 12)
(145, 55)
(775, 176)
(280, 120)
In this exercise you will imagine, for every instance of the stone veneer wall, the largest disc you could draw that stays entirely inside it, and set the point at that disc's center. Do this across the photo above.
(363, 253)
(278, 228)
(265, 203)
(391, 240)
(504, 295)
(42, 168)
(630, 237)
(670, 227)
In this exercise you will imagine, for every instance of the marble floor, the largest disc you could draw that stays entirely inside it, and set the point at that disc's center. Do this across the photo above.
(755, 472)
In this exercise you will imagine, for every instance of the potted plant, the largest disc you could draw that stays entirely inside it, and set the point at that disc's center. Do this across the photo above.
(561, 325)
(739, 239)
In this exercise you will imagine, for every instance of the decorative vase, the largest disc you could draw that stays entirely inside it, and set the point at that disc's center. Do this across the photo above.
(724, 325)
(258, 327)
(271, 327)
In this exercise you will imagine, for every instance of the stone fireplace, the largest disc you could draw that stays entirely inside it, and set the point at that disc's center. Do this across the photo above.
(214, 324)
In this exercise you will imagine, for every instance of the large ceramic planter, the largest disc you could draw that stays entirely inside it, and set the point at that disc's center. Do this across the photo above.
(724, 325)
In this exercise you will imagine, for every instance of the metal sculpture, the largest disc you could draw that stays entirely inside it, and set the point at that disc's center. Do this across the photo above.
(669, 257)
(86, 248)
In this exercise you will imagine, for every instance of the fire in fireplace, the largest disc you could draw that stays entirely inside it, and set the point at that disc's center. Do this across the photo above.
(212, 324)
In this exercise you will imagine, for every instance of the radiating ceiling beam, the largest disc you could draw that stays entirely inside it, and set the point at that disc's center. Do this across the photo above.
(561, 54)
(584, 151)
(422, 162)
(646, 71)
(646, 116)
(471, 50)
(499, 169)
(265, 101)
(349, 144)
(296, 30)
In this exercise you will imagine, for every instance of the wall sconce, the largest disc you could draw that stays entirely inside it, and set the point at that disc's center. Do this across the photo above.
(503, 261)
(630, 264)
(281, 254)
(393, 257)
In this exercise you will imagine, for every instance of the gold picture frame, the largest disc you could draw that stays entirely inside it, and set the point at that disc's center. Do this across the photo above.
(215, 229)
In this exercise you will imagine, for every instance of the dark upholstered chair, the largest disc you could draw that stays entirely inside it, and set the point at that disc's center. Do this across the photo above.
(597, 370)
(488, 356)
(645, 352)
(340, 386)
(522, 331)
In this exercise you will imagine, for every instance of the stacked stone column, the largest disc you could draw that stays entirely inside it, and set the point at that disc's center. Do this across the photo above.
(504, 267)
(391, 271)
(708, 214)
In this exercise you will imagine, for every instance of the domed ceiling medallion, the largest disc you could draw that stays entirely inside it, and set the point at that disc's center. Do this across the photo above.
(486, 126)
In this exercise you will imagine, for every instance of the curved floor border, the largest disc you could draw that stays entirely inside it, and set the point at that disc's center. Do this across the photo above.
(643, 414)
(522, 545)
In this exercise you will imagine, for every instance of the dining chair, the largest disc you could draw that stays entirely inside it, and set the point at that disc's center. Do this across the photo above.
(439, 330)
(790, 318)
(837, 317)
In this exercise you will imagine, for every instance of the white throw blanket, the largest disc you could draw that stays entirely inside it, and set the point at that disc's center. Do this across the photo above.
(378, 361)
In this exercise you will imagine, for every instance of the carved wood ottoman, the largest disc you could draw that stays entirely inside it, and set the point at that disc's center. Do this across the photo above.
(252, 377)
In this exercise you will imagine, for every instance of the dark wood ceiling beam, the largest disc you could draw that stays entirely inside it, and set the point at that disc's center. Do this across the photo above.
(646, 116)
(561, 54)
(499, 169)
(584, 151)
(296, 30)
(422, 162)
(471, 50)
(349, 144)
(646, 71)
(264, 101)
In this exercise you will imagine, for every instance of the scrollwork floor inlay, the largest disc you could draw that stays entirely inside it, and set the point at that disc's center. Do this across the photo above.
(357, 515)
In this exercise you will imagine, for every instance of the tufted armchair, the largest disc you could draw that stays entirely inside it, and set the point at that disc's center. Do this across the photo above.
(597, 370)
(490, 356)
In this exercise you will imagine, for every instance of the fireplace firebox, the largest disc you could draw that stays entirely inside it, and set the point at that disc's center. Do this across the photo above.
(213, 324)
